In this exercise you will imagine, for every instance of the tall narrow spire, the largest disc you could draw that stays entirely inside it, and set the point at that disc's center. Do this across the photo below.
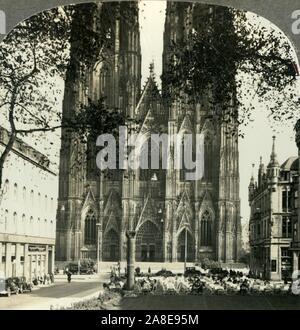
(261, 171)
(252, 175)
(151, 68)
(273, 158)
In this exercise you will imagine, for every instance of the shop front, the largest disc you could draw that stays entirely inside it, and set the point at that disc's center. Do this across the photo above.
(26, 259)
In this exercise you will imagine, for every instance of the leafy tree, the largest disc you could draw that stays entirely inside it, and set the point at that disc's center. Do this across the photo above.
(58, 43)
(224, 57)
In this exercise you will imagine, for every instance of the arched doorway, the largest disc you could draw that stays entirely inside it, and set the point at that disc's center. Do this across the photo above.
(181, 246)
(149, 243)
(111, 246)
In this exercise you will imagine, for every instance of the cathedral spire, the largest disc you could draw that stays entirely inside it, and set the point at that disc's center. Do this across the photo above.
(252, 175)
(151, 69)
(251, 186)
(273, 167)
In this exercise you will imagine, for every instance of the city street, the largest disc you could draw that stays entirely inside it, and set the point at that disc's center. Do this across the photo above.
(189, 302)
(59, 294)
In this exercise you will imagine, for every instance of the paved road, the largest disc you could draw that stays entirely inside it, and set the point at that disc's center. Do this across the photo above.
(211, 303)
(44, 297)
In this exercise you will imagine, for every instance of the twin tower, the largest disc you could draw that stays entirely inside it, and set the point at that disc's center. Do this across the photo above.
(171, 217)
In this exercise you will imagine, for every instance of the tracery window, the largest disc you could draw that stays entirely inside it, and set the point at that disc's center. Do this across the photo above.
(206, 229)
(90, 233)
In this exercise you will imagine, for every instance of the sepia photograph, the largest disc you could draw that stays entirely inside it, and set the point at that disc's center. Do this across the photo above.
(149, 159)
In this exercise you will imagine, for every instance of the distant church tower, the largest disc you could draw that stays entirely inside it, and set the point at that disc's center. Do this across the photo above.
(161, 206)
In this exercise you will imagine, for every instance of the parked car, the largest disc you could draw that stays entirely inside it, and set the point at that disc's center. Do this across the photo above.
(22, 284)
(74, 269)
(8, 286)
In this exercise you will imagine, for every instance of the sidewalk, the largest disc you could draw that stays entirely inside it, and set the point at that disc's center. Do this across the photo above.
(60, 294)
(57, 303)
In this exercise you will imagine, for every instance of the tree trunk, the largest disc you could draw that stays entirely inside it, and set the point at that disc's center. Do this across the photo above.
(4, 156)
(12, 138)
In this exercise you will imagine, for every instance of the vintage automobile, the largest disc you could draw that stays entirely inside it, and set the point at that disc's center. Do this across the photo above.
(84, 269)
(22, 284)
(8, 286)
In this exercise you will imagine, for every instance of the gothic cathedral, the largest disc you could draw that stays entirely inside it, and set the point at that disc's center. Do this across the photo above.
(163, 209)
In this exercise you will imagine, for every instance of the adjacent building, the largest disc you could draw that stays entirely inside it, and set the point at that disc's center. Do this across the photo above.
(27, 212)
(273, 201)
(295, 247)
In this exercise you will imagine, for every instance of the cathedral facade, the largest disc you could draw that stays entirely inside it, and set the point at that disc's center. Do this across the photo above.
(169, 215)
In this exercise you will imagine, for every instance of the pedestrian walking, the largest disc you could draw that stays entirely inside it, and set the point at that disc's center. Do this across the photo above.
(69, 277)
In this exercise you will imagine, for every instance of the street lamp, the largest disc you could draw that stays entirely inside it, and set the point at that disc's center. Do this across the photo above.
(98, 225)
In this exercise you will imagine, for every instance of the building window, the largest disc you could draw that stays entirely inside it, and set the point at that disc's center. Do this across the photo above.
(286, 262)
(286, 227)
(15, 191)
(90, 233)
(15, 222)
(206, 229)
(6, 187)
(24, 223)
(5, 220)
(38, 229)
(285, 176)
(258, 230)
(286, 201)
(24, 194)
(31, 197)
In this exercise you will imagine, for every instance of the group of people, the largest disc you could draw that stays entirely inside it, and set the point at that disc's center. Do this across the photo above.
(211, 282)
(43, 280)
(222, 283)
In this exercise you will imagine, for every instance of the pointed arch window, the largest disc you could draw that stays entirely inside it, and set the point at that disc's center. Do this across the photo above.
(90, 232)
(187, 155)
(206, 229)
(147, 172)
(208, 157)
